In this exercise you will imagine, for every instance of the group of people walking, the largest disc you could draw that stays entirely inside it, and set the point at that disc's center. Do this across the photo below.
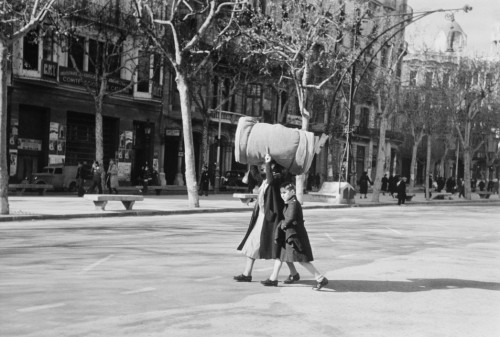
(111, 178)
(276, 231)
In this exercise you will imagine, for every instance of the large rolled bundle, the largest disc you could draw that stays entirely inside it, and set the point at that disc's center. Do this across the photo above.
(291, 148)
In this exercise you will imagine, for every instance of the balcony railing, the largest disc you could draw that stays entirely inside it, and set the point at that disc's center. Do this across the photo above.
(107, 14)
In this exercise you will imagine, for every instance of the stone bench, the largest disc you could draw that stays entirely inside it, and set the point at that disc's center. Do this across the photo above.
(21, 188)
(100, 200)
(334, 193)
(484, 194)
(442, 196)
(245, 198)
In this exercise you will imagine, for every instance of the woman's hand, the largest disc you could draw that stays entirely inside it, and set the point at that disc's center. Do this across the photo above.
(267, 158)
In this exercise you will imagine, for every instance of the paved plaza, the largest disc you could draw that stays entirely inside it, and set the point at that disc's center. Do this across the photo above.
(421, 270)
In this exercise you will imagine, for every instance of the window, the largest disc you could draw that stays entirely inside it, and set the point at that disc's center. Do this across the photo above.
(446, 80)
(30, 51)
(95, 56)
(364, 118)
(104, 56)
(49, 47)
(413, 78)
(428, 79)
(76, 52)
(143, 69)
(253, 100)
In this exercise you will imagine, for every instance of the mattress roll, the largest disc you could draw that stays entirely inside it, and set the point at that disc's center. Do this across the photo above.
(291, 148)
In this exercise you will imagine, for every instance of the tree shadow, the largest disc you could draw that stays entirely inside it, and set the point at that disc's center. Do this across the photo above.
(412, 285)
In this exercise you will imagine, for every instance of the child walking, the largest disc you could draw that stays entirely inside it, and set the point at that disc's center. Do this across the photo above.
(291, 236)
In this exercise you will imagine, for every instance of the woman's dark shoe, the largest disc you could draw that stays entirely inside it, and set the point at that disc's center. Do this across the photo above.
(269, 283)
(243, 278)
(292, 279)
(321, 284)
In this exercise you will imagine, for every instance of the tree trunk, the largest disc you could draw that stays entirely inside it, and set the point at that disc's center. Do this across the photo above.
(428, 168)
(380, 168)
(204, 142)
(99, 149)
(467, 162)
(4, 173)
(300, 179)
(467, 159)
(187, 130)
(413, 167)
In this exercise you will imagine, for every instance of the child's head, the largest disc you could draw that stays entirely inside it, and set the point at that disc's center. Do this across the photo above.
(287, 191)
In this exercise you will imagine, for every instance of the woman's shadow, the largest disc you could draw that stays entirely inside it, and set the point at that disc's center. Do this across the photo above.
(412, 285)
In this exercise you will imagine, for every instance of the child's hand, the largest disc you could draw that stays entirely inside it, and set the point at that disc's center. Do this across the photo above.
(267, 158)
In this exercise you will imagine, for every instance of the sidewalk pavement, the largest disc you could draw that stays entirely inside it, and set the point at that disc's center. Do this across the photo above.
(34, 207)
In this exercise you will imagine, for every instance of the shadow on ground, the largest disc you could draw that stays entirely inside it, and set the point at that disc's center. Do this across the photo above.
(412, 285)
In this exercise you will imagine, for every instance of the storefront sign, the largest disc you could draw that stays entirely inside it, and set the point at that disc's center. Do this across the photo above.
(13, 162)
(71, 76)
(172, 132)
(49, 69)
(29, 144)
(124, 171)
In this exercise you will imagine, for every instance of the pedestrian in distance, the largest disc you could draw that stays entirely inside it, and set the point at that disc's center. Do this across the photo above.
(258, 242)
(363, 182)
(80, 179)
(401, 190)
(385, 184)
(96, 177)
(461, 188)
(112, 177)
(291, 236)
(393, 180)
(146, 178)
(204, 181)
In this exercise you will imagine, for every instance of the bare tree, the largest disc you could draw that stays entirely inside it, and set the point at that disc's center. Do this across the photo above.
(114, 49)
(17, 18)
(475, 82)
(186, 33)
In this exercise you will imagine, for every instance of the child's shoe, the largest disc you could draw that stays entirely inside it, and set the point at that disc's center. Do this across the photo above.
(321, 284)
(292, 279)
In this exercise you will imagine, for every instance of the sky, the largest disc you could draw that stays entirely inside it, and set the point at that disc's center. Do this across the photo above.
(477, 24)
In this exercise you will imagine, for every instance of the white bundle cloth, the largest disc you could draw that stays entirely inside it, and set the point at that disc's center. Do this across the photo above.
(291, 148)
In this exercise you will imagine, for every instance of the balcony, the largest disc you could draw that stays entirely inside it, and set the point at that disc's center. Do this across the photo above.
(110, 14)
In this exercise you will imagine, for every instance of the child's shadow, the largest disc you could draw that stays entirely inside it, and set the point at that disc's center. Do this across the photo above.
(412, 285)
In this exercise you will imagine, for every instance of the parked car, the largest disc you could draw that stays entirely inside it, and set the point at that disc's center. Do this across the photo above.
(232, 180)
(62, 177)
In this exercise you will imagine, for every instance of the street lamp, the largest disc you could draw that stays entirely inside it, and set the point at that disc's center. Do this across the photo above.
(217, 164)
(392, 30)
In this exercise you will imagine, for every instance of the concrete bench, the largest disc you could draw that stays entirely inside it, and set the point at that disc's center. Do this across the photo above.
(484, 194)
(333, 193)
(100, 200)
(21, 188)
(246, 198)
(442, 196)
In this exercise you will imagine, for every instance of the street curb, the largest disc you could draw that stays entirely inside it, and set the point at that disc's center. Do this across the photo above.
(113, 214)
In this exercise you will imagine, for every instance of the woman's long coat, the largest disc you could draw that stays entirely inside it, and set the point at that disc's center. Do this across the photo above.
(273, 213)
(113, 176)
